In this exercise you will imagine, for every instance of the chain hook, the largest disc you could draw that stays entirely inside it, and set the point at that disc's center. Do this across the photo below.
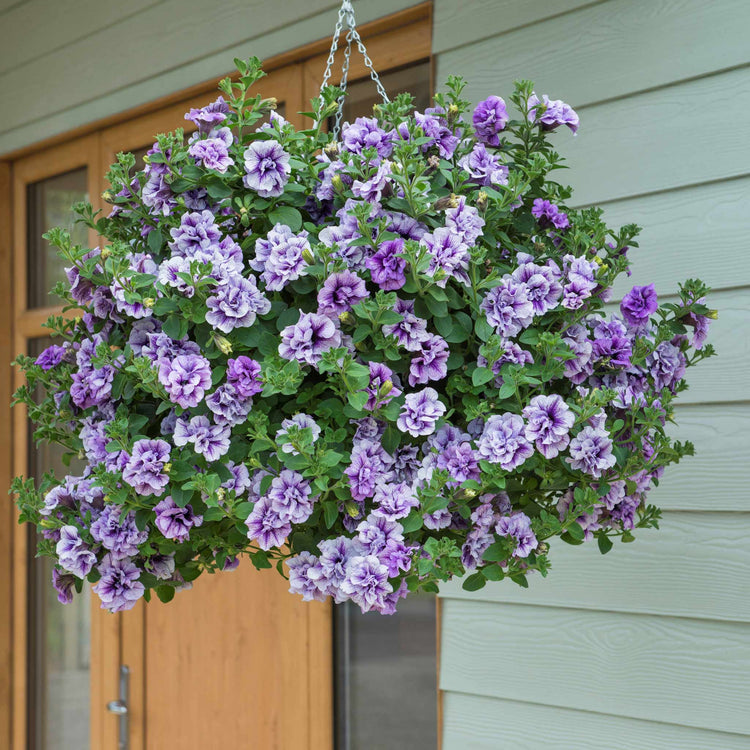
(346, 20)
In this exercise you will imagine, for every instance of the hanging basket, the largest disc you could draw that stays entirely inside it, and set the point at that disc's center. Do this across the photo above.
(374, 361)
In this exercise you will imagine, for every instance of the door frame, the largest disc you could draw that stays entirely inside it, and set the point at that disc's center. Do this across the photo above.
(400, 39)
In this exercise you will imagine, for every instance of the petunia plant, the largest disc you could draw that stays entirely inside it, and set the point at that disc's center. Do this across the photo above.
(374, 362)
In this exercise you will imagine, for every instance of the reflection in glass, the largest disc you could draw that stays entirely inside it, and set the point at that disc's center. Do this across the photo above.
(362, 95)
(49, 203)
(59, 635)
(386, 677)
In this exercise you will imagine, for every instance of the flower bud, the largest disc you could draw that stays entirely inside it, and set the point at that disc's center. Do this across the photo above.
(433, 162)
(107, 196)
(347, 318)
(223, 343)
(146, 159)
(47, 523)
(105, 252)
(385, 388)
(167, 467)
(713, 314)
(331, 150)
(221, 493)
(308, 256)
(337, 183)
(271, 103)
(482, 201)
(450, 201)
(352, 508)
(243, 210)
(542, 549)
(149, 302)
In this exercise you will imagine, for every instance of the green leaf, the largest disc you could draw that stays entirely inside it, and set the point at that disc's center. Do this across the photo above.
(165, 593)
(287, 215)
(576, 531)
(482, 375)
(155, 240)
(474, 582)
(605, 544)
(218, 190)
(493, 573)
(413, 521)
(496, 552)
(330, 512)
(357, 400)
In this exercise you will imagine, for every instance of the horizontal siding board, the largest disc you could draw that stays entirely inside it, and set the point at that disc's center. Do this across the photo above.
(604, 51)
(457, 24)
(676, 570)
(715, 478)
(686, 230)
(32, 30)
(114, 89)
(478, 723)
(680, 671)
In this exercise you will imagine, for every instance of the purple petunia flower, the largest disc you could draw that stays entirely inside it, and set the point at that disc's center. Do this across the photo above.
(366, 582)
(197, 235)
(73, 553)
(508, 307)
(483, 167)
(227, 406)
(63, 583)
(394, 501)
(211, 441)
(612, 343)
(267, 168)
(175, 522)
(144, 470)
(340, 292)
(304, 576)
(638, 305)
(372, 189)
(309, 338)
(295, 424)
(464, 221)
(591, 451)
(387, 267)
(117, 534)
(543, 287)
(265, 526)
(490, 118)
(235, 304)
(280, 257)
(449, 256)
(411, 331)
(420, 412)
(460, 461)
(503, 441)
(244, 374)
(50, 357)
(549, 215)
(666, 364)
(213, 152)
(378, 393)
(365, 132)
(208, 117)
(548, 422)
(556, 113)
(369, 465)
(289, 495)
(431, 360)
(518, 527)
(186, 379)
(119, 587)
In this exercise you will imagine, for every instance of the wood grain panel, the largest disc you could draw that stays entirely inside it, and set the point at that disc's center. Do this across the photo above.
(682, 671)
(457, 24)
(234, 649)
(673, 571)
(602, 51)
(682, 231)
(480, 723)
(33, 30)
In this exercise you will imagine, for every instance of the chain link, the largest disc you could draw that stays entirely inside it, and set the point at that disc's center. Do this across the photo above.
(346, 20)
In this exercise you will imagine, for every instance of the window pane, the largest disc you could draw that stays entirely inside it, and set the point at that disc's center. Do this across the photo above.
(362, 94)
(49, 203)
(386, 677)
(59, 635)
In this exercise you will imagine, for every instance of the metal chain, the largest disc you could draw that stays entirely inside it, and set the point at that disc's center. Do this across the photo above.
(346, 19)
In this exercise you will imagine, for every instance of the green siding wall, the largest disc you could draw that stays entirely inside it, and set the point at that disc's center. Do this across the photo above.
(649, 647)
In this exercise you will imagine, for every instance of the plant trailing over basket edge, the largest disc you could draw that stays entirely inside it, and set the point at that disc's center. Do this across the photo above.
(376, 363)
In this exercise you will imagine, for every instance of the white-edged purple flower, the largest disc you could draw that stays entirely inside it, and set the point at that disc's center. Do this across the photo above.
(543, 287)
(227, 406)
(73, 554)
(381, 388)
(197, 236)
(290, 429)
(420, 412)
(556, 112)
(279, 257)
(638, 305)
(235, 303)
(411, 330)
(309, 338)
(209, 440)
(265, 526)
(449, 256)
(340, 292)
(174, 521)
(508, 307)
(460, 461)
(464, 221)
(117, 532)
(387, 267)
(366, 582)
(208, 117)
(304, 576)
(431, 360)
(483, 167)
(369, 465)
(503, 441)
(549, 215)
(144, 471)
(548, 422)
(213, 152)
(289, 495)
(666, 364)
(267, 168)
(591, 451)
(372, 189)
(185, 378)
(394, 500)
(119, 586)
(518, 527)
(365, 132)
(490, 118)
(243, 374)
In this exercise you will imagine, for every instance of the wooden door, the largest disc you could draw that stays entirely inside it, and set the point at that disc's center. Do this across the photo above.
(236, 662)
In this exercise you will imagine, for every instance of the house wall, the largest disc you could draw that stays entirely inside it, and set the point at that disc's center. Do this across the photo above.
(648, 647)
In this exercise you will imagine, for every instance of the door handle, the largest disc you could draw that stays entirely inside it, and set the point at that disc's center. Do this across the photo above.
(121, 709)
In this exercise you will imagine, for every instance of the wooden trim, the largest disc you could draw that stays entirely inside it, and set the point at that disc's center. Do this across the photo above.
(133, 655)
(7, 515)
(320, 662)
(391, 23)
(438, 635)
